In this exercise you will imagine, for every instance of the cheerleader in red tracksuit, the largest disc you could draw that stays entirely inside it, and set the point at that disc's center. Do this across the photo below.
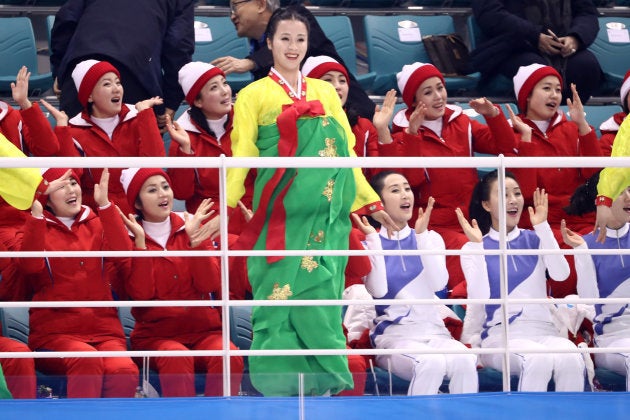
(610, 127)
(108, 127)
(208, 123)
(28, 130)
(543, 130)
(431, 127)
(158, 228)
(368, 134)
(67, 225)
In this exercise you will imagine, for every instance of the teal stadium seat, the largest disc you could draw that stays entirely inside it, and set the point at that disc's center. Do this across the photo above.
(224, 42)
(50, 21)
(17, 49)
(597, 114)
(613, 57)
(15, 323)
(339, 30)
(498, 85)
(387, 54)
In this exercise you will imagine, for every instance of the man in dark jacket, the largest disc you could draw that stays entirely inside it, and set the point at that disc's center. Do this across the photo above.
(556, 33)
(250, 17)
(148, 41)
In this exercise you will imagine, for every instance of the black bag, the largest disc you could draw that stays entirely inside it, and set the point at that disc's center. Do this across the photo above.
(449, 53)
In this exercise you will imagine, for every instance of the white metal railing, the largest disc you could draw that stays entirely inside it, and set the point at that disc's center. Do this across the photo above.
(223, 163)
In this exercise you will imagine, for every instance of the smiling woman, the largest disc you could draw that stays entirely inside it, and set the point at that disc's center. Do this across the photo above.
(106, 126)
(286, 114)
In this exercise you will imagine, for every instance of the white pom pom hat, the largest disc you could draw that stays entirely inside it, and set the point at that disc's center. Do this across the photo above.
(526, 78)
(86, 74)
(412, 76)
(133, 178)
(316, 67)
(194, 75)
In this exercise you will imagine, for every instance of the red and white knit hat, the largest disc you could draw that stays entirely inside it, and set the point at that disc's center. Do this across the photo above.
(526, 78)
(412, 76)
(133, 178)
(50, 174)
(194, 75)
(625, 89)
(316, 67)
(87, 73)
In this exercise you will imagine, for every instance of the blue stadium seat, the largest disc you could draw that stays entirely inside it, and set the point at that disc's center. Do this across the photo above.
(387, 53)
(339, 30)
(597, 114)
(17, 49)
(15, 323)
(224, 41)
(613, 57)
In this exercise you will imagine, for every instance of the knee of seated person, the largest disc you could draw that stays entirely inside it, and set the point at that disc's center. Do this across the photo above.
(435, 363)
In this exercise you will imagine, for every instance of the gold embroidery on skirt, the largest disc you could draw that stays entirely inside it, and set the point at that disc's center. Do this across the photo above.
(328, 191)
(330, 150)
(325, 122)
(309, 264)
(280, 293)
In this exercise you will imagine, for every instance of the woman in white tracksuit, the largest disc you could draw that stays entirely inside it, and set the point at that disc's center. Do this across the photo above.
(412, 277)
(606, 276)
(530, 326)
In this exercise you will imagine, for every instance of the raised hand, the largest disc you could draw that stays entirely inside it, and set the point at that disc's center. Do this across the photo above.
(19, 88)
(101, 189)
(383, 115)
(484, 107)
(149, 103)
(538, 213)
(362, 223)
(416, 119)
(604, 214)
(59, 183)
(576, 112)
(193, 224)
(179, 135)
(60, 116)
(472, 231)
(422, 222)
(247, 213)
(134, 227)
(383, 218)
(523, 129)
(569, 237)
(37, 210)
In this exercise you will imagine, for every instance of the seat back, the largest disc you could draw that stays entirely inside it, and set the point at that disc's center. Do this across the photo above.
(241, 326)
(393, 41)
(17, 49)
(597, 114)
(339, 30)
(50, 22)
(216, 37)
(15, 323)
(612, 56)
(128, 323)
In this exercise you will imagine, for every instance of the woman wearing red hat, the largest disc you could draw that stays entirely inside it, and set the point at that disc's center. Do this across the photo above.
(208, 125)
(60, 222)
(287, 115)
(431, 127)
(107, 126)
(156, 227)
(543, 130)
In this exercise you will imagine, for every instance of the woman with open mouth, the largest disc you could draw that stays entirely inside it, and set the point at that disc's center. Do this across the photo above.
(154, 226)
(60, 222)
(531, 326)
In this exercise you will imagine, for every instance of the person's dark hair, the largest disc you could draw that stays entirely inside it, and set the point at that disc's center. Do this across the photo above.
(285, 13)
(377, 182)
(481, 193)
(352, 113)
(583, 199)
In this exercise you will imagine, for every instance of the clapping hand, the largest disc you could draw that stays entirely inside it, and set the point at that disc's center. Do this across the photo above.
(538, 213)
(472, 231)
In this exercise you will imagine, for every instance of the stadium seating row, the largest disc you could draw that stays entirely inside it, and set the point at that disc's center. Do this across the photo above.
(391, 41)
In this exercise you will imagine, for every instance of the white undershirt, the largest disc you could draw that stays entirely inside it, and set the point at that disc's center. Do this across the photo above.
(68, 221)
(434, 125)
(218, 126)
(542, 125)
(159, 231)
(107, 124)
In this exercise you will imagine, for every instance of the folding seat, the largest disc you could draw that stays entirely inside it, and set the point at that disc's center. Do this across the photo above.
(17, 49)
(393, 41)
